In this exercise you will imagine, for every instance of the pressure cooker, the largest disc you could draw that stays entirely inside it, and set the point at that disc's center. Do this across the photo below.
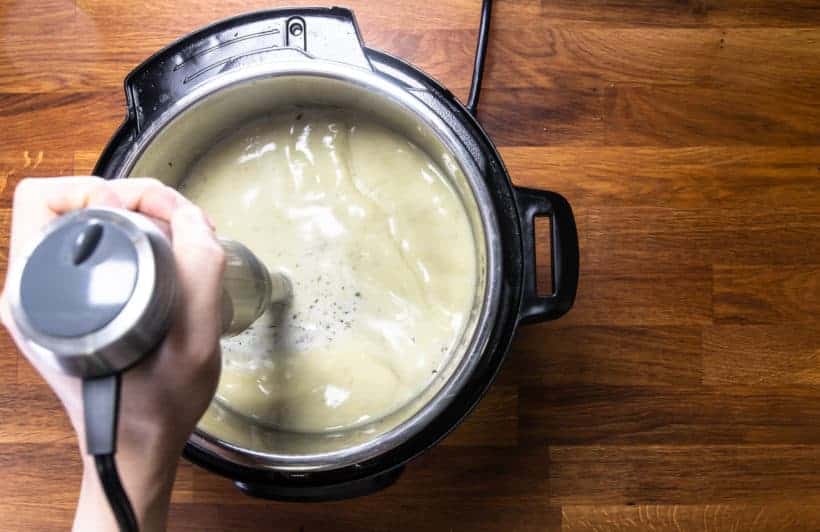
(190, 94)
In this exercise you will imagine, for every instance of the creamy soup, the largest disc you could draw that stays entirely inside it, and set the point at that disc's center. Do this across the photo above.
(380, 254)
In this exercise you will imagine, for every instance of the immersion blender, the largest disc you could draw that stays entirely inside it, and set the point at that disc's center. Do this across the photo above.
(94, 295)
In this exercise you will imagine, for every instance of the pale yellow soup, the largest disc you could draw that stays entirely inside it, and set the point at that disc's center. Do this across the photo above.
(380, 254)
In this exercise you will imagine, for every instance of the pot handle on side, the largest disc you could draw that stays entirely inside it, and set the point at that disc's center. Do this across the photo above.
(563, 250)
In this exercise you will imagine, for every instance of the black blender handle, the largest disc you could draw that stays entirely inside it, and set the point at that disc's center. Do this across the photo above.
(564, 254)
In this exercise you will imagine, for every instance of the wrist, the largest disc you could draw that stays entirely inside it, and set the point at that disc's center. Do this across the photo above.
(147, 482)
(148, 448)
(146, 462)
(139, 472)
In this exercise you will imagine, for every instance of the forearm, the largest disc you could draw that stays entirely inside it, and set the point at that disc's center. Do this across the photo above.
(164, 395)
(148, 486)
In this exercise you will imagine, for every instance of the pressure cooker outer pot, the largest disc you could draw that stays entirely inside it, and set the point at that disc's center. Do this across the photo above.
(151, 89)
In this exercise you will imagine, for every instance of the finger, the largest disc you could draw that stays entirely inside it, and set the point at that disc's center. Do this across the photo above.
(31, 211)
(200, 263)
(150, 196)
(38, 201)
(142, 194)
(145, 195)
(86, 193)
(164, 226)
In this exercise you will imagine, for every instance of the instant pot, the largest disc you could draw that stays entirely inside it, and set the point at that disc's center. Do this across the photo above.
(190, 94)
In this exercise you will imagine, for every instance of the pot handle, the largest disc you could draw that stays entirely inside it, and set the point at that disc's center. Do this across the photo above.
(564, 254)
(252, 39)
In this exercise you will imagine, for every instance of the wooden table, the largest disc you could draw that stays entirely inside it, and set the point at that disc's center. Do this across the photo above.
(681, 392)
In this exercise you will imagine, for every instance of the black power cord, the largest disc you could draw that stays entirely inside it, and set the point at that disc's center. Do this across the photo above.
(480, 55)
(117, 499)
(101, 398)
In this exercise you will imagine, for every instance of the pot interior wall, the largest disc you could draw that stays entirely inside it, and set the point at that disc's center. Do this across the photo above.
(169, 154)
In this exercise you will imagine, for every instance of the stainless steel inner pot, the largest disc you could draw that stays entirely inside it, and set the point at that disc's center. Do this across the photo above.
(171, 143)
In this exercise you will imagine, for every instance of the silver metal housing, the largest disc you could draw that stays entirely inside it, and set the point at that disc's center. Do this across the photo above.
(135, 330)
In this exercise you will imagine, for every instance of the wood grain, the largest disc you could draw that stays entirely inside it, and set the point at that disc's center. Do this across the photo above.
(8, 362)
(668, 415)
(606, 355)
(672, 115)
(683, 474)
(692, 13)
(749, 178)
(707, 517)
(643, 299)
(406, 516)
(760, 355)
(792, 293)
(682, 392)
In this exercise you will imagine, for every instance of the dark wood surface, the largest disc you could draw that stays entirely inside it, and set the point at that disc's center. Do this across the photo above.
(683, 390)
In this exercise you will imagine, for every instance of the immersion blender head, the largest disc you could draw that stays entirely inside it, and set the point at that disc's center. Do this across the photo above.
(95, 292)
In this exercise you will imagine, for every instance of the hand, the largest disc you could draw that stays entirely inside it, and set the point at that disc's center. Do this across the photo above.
(163, 397)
